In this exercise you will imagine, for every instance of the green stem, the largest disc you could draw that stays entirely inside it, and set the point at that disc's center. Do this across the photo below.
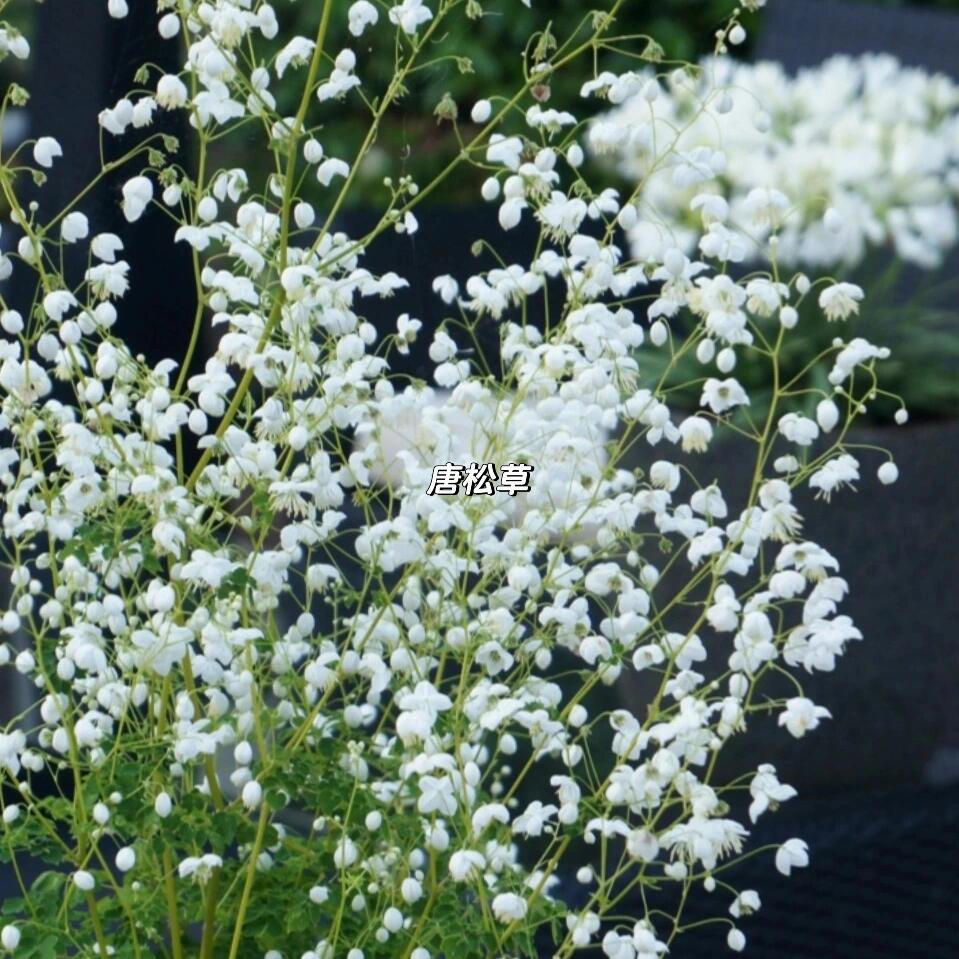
(250, 879)
(169, 886)
(211, 896)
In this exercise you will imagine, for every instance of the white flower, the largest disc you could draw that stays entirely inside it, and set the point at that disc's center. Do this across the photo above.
(295, 54)
(126, 859)
(436, 795)
(46, 150)
(745, 904)
(10, 938)
(12, 746)
(582, 927)
(802, 715)
(411, 890)
(504, 150)
(169, 26)
(74, 226)
(511, 212)
(827, 415)
(888, 473)
(767, 791)
(410, 15)
(840, 300)
(842, 470)
(341, 79)
(137, 194)
(446, 288)
(84, 881)
(490, 189)
(562, 215)
(163, 805)
(57, 303)
(362, 14)
(330, 168)
(641, 844)
(709, 502)
(171, 92)
(117, 9)
(798, 429)
(466, 864)
(792, 854)
(665, 475)
(508, 907)
(533, 820)
(199, 867)
(723, 395)
(105, 246)
(695, 434)
(252, 794)
(882, 166)
(481, 112)
(108, 279)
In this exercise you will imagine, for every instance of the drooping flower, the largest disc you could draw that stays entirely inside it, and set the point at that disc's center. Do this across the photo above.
(840, 300)
(137, 194)
(802, 715)
(410, 15)
(46, 150)
(792, 854)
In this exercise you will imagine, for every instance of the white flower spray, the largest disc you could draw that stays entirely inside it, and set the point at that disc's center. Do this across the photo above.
(247, 739)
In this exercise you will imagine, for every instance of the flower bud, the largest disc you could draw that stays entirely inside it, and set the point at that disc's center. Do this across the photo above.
(169, 26)
(726, 360)
(481, 112)
(490, 189)
(888, 473)
(10, 938)
(827, 415)
(252, 794)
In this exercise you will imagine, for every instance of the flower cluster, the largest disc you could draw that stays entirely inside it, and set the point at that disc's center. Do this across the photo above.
(856, 153)
(292, 705)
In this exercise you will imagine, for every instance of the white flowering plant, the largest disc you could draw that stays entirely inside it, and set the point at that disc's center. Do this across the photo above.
(487, 57)
(289, 703)
(851, 166)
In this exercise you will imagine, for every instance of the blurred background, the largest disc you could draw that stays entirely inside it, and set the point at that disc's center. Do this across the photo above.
(879, 788)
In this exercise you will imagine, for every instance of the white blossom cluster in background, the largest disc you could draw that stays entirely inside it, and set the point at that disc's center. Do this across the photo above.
(856, 153)
(256, 751)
